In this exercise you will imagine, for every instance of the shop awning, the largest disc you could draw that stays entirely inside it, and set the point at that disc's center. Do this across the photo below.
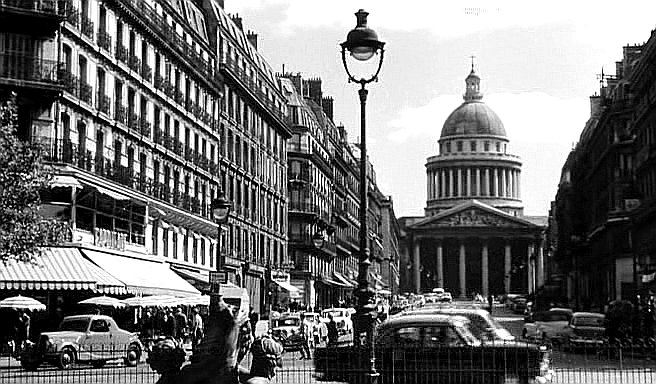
(294, 292)
(59, 268)
(142, 277)
(333, 282)
(65, 181)
(339, 277)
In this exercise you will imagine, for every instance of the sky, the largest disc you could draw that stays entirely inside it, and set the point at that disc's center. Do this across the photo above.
(539, 63)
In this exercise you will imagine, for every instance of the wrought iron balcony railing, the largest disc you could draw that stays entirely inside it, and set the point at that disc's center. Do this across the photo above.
(104, 40)
(103, 102)
(19, 67)
(87, 26)
(48, 8)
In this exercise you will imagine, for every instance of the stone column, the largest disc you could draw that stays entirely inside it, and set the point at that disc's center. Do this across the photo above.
(507, 266)
(484, 270)
(540, 266)
(416, 266)
(504, 187)
(478, 181)
(442, 183)
(440, 265)
(495, 182)
(486, 182)
(462, 270)
(459, 182)
(429, 185)
(469, 189)
(530, 267)
(450, 182)
(519, 185)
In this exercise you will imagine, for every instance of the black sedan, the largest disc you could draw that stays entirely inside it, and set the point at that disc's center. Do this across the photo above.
(439, 349)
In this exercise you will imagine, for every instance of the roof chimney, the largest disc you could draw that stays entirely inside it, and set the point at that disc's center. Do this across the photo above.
(237, 20)
(314, 89)
(252, 38)
(327, 105)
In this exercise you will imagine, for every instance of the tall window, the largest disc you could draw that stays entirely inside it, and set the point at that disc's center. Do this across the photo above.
(202, 251)
(165, 242)
(185, 246)
(155, 239)
(175, 245)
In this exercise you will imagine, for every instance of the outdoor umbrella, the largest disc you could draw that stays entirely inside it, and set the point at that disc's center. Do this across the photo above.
(104, 301)
(152, 301)
(22, 302)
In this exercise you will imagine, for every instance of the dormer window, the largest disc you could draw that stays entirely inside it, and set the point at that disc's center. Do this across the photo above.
(448, 147)
(498, 147)
(486, 146)
(472, 145)
(459, 146)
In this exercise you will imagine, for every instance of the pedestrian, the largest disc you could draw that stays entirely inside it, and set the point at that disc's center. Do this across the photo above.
(147, 329)
(181, 325)
(332, 331)
(267, 356)
(22, 330)
(170, 325)
(245, 340)
(253, 318)
(197, 330)
(306, 334)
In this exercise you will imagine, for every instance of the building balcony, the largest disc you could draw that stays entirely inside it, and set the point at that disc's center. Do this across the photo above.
(146, 72)
(133, 121)
(30, 72)
(103, 103)
(134, 63)
(86, 92)
(121, 52)
(40, 17)
(86, 26)
(302, 207)
(104, 40)
(230, 65)
(144, 127)
(120, 112)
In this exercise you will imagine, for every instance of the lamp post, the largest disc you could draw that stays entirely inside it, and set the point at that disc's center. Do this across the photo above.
(362, 44)
(220, 211)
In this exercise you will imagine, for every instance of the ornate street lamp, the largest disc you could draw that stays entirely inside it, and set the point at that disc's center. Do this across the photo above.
(318, 239)
(362, 44)
(220, 211)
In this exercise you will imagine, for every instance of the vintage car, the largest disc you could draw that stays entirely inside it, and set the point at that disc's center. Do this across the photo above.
(547, 325)
(342, 317)
(584, 330)
(287, 329)
(93, 339)
(481, 324)
(430, 348)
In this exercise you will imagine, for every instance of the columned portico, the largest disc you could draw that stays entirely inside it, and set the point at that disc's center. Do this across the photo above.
(473, 236)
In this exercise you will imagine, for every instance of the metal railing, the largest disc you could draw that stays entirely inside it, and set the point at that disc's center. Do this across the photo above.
(55, 8)
(29, 68)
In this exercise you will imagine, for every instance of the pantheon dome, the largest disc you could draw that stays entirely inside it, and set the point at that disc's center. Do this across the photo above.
(474, 162)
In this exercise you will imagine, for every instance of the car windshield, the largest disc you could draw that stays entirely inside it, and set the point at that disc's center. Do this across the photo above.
(588, 321)
(76, 325)
(288, 322)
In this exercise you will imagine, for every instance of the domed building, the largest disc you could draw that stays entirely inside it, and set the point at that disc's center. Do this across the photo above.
(474, 237)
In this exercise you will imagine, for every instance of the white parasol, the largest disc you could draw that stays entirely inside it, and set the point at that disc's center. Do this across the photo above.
(22, 302)
(104, 301)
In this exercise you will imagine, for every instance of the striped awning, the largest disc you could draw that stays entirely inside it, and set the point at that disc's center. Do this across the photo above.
(58, 268)
(142, 277)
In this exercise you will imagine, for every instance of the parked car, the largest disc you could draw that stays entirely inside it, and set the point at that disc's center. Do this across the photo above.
(430, 348)
(342, 317)
(584, 330)
(287, 328)
(481, 324)
(519, 304)
(546, 325)
(93, 339)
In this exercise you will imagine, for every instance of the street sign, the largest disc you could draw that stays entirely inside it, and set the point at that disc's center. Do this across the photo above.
(218, 277)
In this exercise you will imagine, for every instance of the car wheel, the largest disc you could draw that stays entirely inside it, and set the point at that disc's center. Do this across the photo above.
(67, 358)
(133, 356)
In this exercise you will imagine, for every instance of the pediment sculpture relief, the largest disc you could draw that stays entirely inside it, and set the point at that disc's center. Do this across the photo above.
(474, 218)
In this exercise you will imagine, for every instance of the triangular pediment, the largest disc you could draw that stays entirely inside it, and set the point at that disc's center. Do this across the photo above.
(473, 214)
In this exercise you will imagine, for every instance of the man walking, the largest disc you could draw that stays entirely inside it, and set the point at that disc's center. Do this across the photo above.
(306, 335)
(197, 330)
(332, 331)
(181, 325)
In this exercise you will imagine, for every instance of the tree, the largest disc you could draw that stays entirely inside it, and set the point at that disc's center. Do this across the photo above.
(23, 230)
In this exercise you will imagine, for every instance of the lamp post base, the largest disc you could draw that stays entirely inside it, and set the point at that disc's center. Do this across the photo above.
(364, 328)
